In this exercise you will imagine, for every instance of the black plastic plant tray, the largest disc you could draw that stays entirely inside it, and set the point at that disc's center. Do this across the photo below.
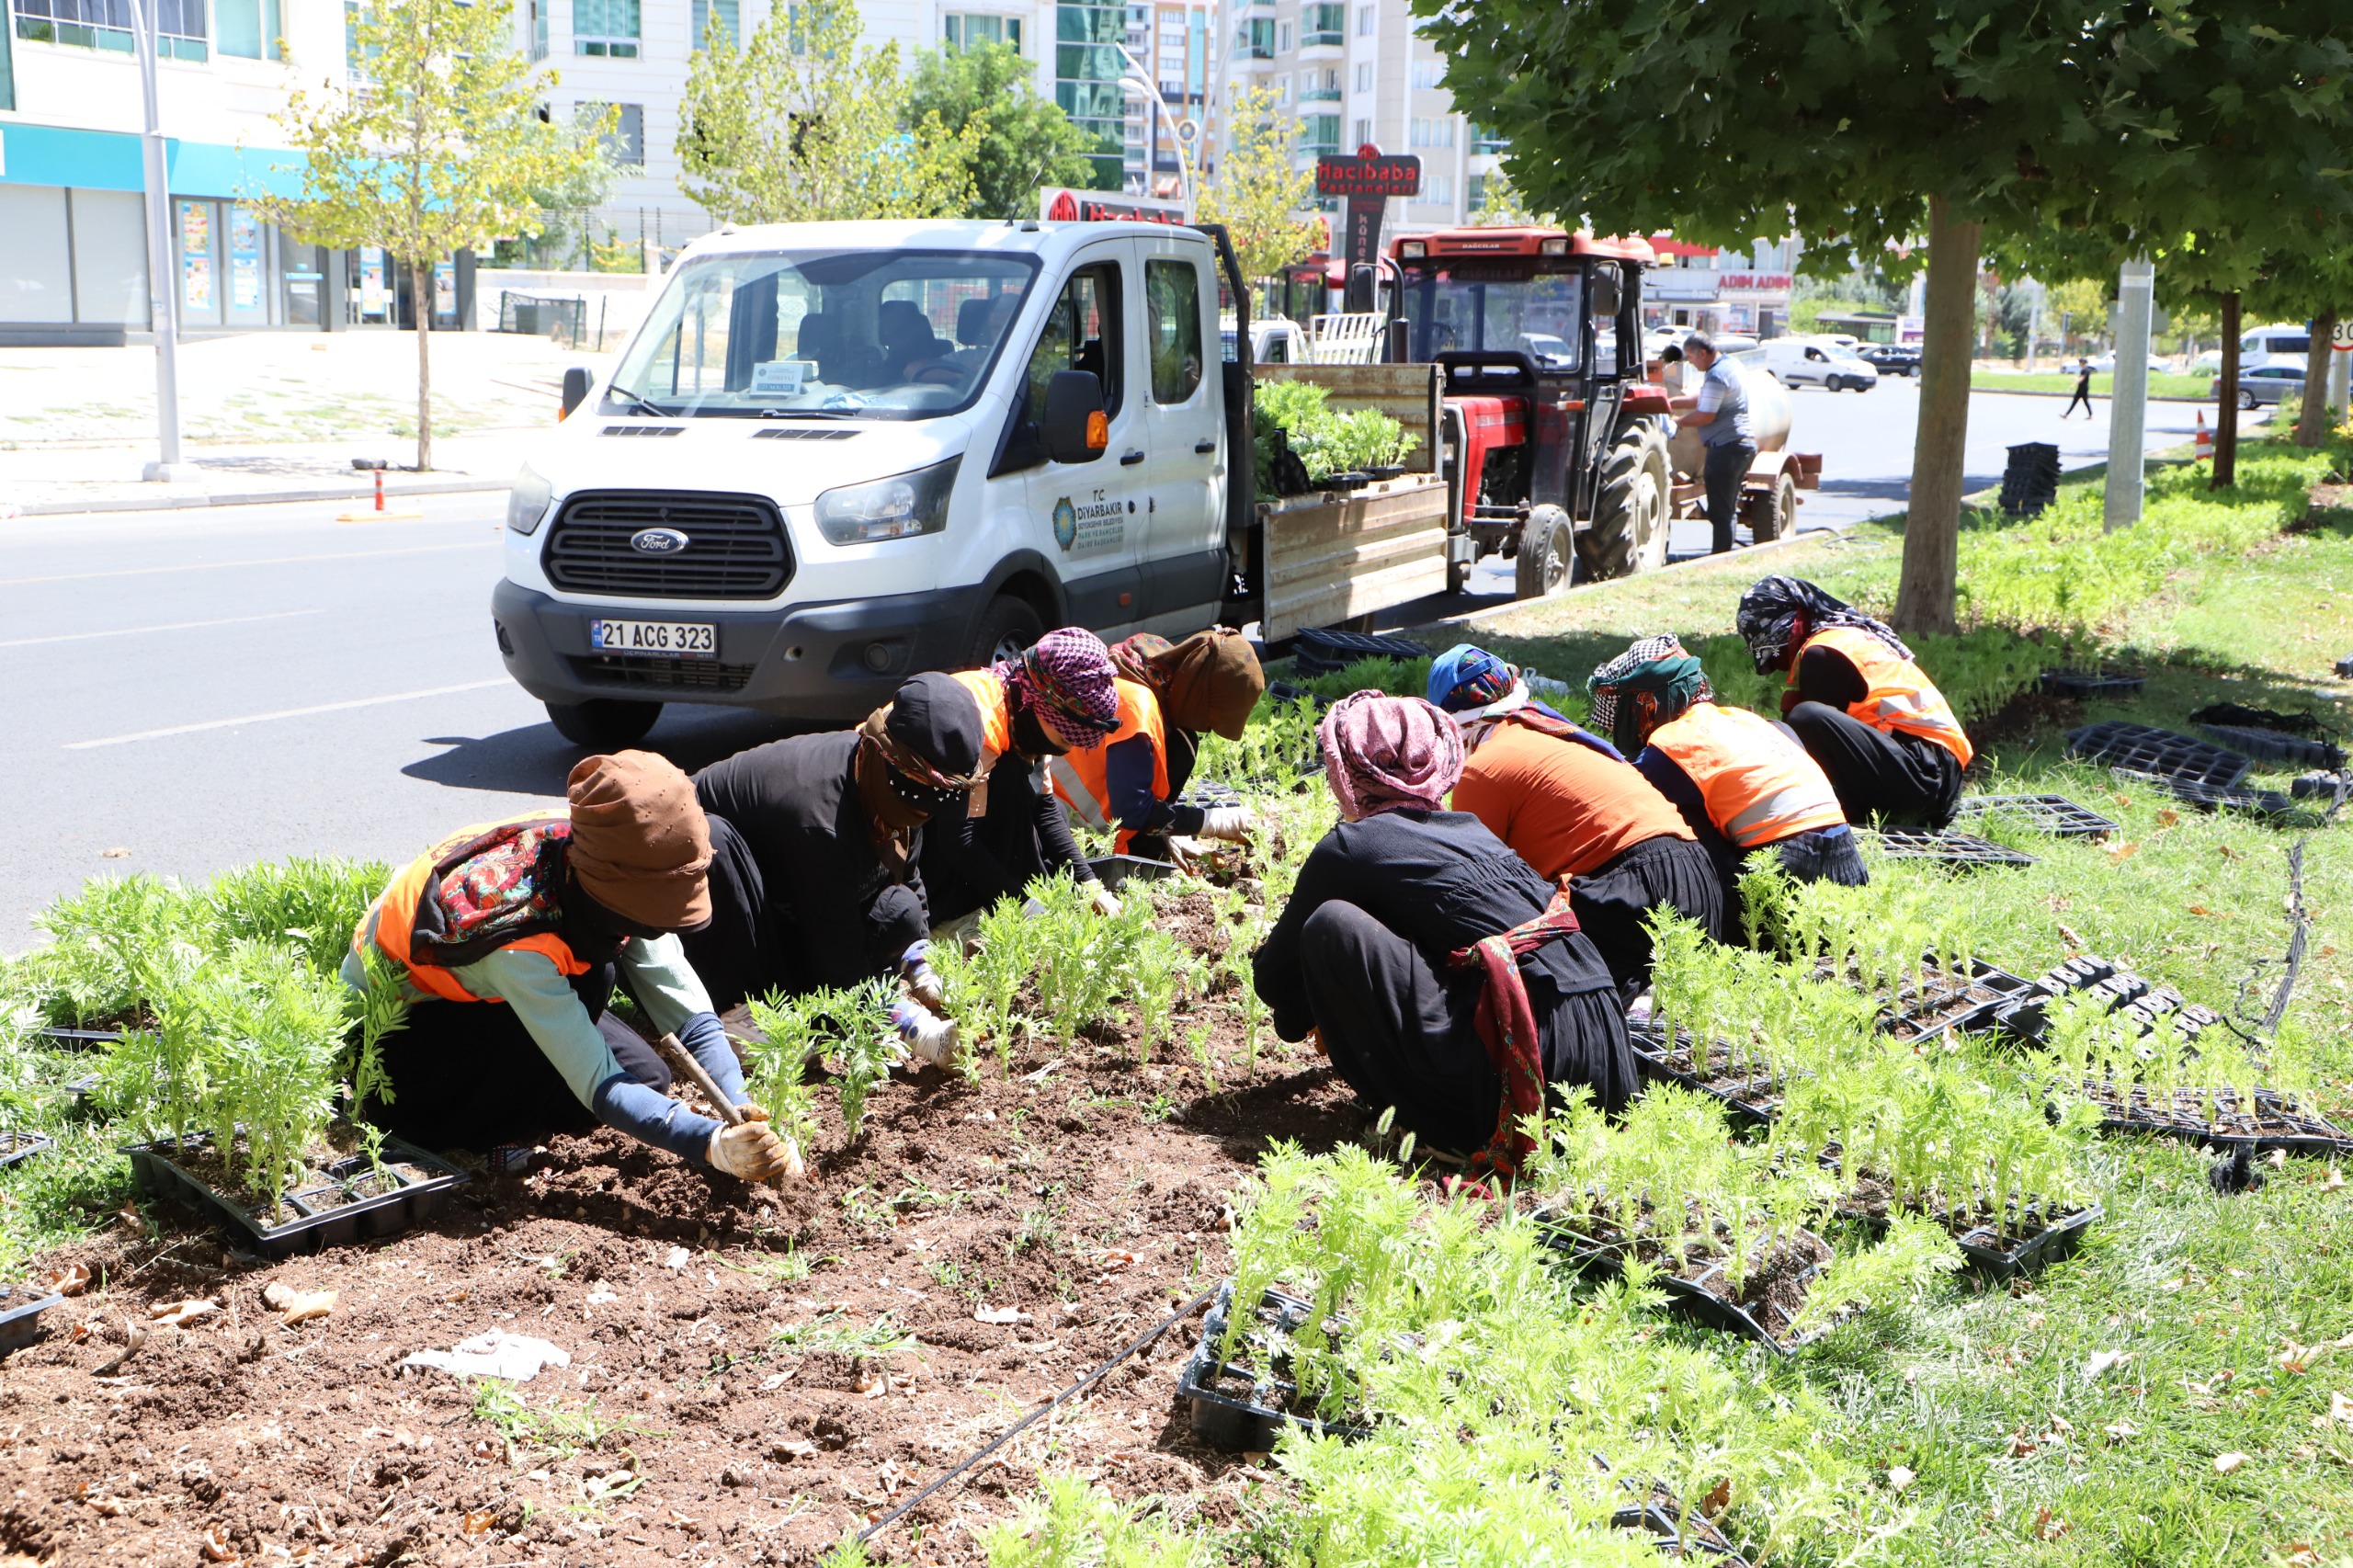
(2293, 1129)
(2076, 973)
(2271, 746)
(2161, 753)
(1950, 848)
(1284, 691)
(2307, 724)
(1117, 870)
(1318, 652)
(20, 1316)
(2105, 681)
(2054, 814)
(315, 1226)
(1673, 1537)
(1981, 1247)
(78, 1039)
(2319, 784)
(1604, 1258)
(2212, 797)
(17, 1147)
(1756, 1101)
(1247, 1423)
(1210, 792)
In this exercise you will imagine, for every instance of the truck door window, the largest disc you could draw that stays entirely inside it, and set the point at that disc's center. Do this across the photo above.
(1172, 302)
(1082, 334)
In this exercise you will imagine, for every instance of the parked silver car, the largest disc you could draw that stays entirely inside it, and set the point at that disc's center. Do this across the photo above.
(2265, 383)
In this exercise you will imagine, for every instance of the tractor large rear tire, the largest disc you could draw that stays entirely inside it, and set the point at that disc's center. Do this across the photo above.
(1629, 515)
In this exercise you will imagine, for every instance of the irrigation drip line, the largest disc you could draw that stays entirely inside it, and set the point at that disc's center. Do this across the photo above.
(1080, 1387)
(2299, 928)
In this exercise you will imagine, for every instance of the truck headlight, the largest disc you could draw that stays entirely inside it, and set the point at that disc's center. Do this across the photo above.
(901, 507)
(527, 503)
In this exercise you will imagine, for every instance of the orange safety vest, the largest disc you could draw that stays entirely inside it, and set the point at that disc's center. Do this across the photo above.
(1082, 777)
(394, 922)
(996, 729)
(1900, 697)
(1760, 786)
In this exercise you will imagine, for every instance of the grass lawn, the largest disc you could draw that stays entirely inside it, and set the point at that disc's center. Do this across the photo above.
(2166, 385)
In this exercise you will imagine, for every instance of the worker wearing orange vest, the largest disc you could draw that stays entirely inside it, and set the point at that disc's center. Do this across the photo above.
(1168, 693)
(1055, 697)
(507, 938)
(1890, 744)
(1743, 782)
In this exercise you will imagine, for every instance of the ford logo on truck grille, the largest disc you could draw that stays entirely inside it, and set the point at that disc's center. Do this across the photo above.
(657, 541)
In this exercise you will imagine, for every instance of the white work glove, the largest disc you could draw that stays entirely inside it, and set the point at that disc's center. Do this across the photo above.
(964, 931)
(923, 982)
(927, 1035)
(1231, 823)
(750, 1150)
(1105, 901)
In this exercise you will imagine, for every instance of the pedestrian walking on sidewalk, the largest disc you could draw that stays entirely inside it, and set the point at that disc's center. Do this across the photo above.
(2082, 390)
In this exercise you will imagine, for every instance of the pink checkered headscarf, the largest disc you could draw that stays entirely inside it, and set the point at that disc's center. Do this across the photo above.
(1381, 753)
(1065, 678)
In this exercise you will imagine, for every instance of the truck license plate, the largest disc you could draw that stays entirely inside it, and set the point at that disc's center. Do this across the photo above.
(676, 639)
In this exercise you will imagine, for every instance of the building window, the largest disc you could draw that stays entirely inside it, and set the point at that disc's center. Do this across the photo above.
(967, 31)
(1430, 132)
(1256, 40)
(729, 16)
(1364, 132)
(1364, 75)
(1319, 134)
(1428, 73)
(1282, 34)
(1322, 25)
(624, 140)
(1487, 141)
(106, 24)
(1087, 69)
(608, 29)
(1438, 190)
(1368, 21)
(539, 23)
(250, 29)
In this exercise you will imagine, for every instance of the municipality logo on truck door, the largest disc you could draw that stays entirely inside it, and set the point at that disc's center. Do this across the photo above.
(1099, 524)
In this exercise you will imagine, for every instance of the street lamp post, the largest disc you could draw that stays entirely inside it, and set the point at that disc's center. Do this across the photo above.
(1141, 80)
(163, 298)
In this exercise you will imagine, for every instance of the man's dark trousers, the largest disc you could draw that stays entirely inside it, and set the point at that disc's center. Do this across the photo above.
(1727, 466)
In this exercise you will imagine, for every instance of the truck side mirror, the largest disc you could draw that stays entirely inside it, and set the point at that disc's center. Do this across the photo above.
(577, 381)
(1076, 429)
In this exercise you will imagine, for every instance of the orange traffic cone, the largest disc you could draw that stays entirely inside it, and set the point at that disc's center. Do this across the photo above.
(2205, 438)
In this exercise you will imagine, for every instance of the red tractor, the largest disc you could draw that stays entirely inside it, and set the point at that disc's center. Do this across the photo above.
(1556, 427)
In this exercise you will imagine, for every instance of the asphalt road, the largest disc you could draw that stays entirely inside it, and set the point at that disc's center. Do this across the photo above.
(199, 689)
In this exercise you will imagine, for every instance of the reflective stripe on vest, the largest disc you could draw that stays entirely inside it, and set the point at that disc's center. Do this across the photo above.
(1899, 695)
(1760, 786)
(996, 729)
(391, 921)
(1083, 777)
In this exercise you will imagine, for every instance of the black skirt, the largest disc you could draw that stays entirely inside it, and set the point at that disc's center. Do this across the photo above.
(1612, 901)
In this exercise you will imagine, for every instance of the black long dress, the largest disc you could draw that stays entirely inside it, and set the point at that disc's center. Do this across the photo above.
(1884, 774)
(1360, 953)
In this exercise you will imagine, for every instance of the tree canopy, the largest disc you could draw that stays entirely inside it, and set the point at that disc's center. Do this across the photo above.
(1257, 193)
(1026, 141)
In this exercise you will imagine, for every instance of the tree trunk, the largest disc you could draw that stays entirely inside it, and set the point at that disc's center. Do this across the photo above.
(1923, 603)
(2311, 425)
(2226, 417)
(421, 289)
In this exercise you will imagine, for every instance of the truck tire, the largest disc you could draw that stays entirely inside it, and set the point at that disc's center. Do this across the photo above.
(604, 724)
(1546, 560)
(1778, 518)
(1006, 628)
(1630, 522)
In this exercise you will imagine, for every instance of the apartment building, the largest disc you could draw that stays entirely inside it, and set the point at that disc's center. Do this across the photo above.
(1350, 73)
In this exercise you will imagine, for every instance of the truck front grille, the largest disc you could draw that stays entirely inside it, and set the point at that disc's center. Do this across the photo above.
(735, 545)
(650, 672)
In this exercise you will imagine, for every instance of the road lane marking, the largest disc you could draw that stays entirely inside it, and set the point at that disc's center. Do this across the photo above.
(286, 713)
(171, 626)
(264, 561)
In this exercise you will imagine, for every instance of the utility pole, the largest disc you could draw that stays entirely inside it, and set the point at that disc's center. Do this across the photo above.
(2127, 408)
(163, 293)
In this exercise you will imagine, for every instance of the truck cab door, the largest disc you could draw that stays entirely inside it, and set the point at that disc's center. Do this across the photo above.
(1183, 416)
(1085, 517)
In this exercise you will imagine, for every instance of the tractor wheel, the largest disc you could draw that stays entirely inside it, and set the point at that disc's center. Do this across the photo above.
(1548, 547)
(1778, 519)
(1629, 521)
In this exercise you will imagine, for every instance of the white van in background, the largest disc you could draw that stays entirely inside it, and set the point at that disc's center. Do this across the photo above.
(1814, 362)
(2268, 344)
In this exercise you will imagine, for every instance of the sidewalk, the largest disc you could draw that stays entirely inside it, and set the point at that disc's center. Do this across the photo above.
(41, 481)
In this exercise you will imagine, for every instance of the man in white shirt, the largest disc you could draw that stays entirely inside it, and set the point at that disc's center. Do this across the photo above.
(1720, 413)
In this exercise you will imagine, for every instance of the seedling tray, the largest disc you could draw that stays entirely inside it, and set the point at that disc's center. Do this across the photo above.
(2319, 784)
(1755, 1101)
(2277, 1122)
(422, 1191)
(2053, 815)
(2212, 797)
(1117, 870)
(79, 1040)
(20, 1313)
(1945, 1000)
(2106, 681)
(1604, 1256)
(17, 1147)
(1231, 1410)
(2307, 724)
(1676, 1537)
(2159, 753)
(1950, 848)
(2272, 745)
(1982, 1246)
(1318, 652)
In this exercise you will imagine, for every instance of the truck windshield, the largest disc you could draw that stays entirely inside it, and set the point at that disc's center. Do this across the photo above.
(876, 334)
(1498, 306)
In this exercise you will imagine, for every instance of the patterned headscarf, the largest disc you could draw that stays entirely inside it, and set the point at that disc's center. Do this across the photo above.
(1655, 665)
(1771, 611)
(1065, 679)
(1466, 677)
(1133, 658)
(1381, 753)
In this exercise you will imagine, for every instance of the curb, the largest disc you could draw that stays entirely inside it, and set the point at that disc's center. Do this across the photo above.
(256, 498)
(2096, 397)
(1746, 552)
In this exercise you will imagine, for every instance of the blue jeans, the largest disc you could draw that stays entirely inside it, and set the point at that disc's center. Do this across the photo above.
(1727, 466)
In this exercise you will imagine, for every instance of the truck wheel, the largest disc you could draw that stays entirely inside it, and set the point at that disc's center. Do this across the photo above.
(1458, 576)
(1629, 521)
(1007, 626)
(604, 724)
(1547, 549)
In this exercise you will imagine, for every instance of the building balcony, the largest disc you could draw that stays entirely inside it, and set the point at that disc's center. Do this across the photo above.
(1319, 96)
(1338, 39)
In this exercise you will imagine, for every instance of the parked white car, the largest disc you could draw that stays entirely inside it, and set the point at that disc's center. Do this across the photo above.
(2105, 366)
(1817, 362)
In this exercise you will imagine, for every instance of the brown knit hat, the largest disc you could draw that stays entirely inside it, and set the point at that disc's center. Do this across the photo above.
(640, 843)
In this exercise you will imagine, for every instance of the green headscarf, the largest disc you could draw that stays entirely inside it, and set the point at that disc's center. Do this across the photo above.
(1655, 665)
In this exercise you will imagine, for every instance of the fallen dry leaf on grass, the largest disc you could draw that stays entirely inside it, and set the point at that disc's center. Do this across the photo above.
(2120, 1431)
(70, 1280)
(2340, 1409)
(2226, 1463)
(299, 1306)
(1717, 1499)
(2336, 1179)
(173, 1315)
(216, 1545)
(2168, 817)
(2048, 1526)
(2200, 909)
(2120, 853)
(999, 1314)
(1899, 1478)
(2101, 1361)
